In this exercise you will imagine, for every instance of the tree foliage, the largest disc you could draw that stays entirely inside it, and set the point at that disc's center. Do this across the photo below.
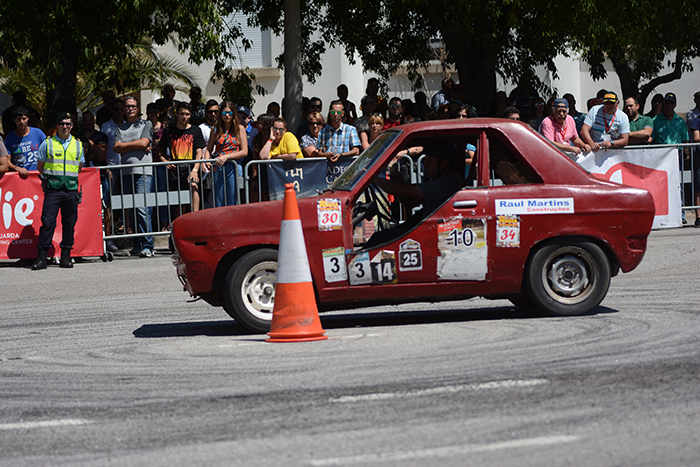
(57, 39)
(144, 68)
(481, 37)
(638, 37)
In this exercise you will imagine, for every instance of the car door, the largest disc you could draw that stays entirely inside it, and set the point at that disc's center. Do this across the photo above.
(450, 245)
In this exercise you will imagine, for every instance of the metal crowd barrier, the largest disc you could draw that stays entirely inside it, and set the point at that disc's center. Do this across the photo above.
(168, 199)
(686, 176)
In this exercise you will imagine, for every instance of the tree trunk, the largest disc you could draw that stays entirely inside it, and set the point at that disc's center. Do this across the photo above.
(477, 75)
(675, 74)
(61, 88)
(293, 84)
(629, 83)
(476, 65)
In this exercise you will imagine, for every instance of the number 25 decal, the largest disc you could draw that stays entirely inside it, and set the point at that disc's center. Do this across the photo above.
(410, 256)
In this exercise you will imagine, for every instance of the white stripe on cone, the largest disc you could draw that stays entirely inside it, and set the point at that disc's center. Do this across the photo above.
(292, 261)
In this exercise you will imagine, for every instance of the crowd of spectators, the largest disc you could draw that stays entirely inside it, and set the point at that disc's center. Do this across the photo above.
(228, 136)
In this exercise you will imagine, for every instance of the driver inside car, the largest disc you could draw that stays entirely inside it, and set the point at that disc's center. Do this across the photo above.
(442, 166)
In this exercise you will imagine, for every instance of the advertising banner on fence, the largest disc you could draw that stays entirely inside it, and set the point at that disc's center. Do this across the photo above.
(20, 217)
(654, 169)
(309, 176)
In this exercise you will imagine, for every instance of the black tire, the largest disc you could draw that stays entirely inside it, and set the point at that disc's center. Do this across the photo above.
(249, 290)
(567, 277)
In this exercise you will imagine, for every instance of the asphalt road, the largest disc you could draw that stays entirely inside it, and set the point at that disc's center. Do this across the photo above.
(107, 364)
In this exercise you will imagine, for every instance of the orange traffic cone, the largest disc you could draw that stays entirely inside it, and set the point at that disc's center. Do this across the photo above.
(295, 316)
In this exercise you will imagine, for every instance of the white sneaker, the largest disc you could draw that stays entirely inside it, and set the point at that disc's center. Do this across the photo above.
(146, 253)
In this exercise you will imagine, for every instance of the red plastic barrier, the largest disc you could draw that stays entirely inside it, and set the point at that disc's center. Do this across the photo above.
(20, 217)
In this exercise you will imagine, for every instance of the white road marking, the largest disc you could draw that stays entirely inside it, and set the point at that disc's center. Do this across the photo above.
(445, 451)
(358, 336)
(509, 383)
(43, 424)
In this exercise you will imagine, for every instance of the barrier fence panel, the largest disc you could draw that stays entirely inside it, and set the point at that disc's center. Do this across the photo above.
(169, 194)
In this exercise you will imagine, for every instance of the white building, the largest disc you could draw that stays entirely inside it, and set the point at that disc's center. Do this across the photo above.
(574, 77)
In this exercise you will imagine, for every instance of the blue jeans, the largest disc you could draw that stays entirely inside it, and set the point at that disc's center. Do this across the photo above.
(680, 164)
(161, 186)
(225, 185)
(143, 184)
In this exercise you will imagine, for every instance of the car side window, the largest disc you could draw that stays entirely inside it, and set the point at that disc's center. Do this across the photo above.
(507, 167)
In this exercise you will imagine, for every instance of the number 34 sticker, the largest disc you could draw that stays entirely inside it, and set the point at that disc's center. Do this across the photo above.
(508, 232)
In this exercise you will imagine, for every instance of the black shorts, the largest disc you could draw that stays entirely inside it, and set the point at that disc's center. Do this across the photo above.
(179, 177)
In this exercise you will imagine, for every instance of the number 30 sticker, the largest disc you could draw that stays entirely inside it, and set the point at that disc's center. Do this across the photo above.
(329, 214)
(334, 265)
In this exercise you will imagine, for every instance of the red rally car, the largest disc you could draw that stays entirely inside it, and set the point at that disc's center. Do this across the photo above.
(524, 223)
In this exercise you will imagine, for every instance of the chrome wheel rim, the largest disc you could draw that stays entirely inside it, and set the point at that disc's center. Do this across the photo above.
(258, 289)
(569, 276)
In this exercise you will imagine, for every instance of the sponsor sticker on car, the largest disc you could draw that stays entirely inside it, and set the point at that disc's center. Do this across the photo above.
(535, 206)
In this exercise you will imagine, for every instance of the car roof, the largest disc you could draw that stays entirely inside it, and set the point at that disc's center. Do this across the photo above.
(549, 162)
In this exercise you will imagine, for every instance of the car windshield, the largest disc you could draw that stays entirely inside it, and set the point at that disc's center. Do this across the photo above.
(364, 161)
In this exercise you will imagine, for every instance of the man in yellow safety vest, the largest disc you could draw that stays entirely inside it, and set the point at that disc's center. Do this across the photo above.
(59, 162)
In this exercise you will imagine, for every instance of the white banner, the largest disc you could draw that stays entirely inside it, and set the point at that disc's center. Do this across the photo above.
(654, 169)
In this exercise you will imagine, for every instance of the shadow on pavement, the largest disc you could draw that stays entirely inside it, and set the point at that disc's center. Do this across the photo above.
(356, 320)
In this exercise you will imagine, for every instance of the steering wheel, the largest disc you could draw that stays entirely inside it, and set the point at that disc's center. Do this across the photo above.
(375, 197)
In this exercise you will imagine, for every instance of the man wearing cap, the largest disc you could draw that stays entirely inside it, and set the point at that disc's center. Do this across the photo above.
(560, 128)
(669, 127)
(606, 126)
(59, 162)
(245, 116)
(641, 126)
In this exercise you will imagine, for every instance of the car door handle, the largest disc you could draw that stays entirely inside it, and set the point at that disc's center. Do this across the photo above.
(466, 204)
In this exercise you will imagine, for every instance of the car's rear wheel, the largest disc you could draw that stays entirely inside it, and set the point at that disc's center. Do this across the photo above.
(568, 277)
(249, 290)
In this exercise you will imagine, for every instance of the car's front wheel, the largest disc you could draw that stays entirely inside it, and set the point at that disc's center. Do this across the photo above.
(568, 277)
(249, 289)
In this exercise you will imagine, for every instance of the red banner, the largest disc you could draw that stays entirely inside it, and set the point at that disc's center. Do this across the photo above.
(21, 202)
